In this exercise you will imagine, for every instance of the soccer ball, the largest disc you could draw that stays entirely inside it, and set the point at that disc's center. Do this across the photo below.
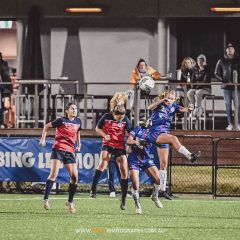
(146, 83)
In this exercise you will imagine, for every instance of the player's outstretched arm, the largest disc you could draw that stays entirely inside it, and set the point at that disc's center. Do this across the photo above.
(155, 104)
(186, 109)
(46, 128)
(131, 141)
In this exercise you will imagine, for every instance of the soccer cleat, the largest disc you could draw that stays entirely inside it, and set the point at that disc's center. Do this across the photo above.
(123, 204)
(164, 194)
(46, 204)
(112, 195)
(93, 195)
(138, 208)
(70, 207)
(156, 201)
(195, 156)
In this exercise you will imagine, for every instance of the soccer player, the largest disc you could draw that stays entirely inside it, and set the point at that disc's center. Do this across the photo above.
(67, 134)
(163, 111)
(112, 127)
(139, 157)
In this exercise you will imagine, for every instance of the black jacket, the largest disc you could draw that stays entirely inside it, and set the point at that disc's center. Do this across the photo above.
(224, 70)
(185, 74)
(5, 77)
(202, 76)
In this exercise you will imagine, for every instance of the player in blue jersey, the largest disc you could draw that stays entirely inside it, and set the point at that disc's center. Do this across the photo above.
(112, 127)
(139, 157)
(163, 111)
(66, 136)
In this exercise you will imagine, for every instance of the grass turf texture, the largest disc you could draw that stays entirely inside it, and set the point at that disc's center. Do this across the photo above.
(23, 217)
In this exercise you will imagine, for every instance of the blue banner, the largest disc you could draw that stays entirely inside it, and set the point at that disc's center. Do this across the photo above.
(23, 160)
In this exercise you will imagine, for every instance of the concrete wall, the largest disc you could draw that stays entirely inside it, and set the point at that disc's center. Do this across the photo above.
(8, 45)
(98, 54)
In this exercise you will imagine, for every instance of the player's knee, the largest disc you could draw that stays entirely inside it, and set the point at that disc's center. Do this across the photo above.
(164, 165)
(124, 175)
(103, 165)
(74, 179)
(174, 139)
(105, 159)
(52, 176)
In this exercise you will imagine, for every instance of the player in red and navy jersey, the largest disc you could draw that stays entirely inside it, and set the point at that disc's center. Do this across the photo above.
(112, 127)
(67, 134)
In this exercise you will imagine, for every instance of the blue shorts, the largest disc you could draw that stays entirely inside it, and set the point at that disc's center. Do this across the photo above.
(135, 164)
(63, 156)
(115, 152)
(152, 137)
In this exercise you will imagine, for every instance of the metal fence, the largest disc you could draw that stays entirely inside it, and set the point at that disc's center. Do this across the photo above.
(187, 177)
(217, 172)
(227, 167)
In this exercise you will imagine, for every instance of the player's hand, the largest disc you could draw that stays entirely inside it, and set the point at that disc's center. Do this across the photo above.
(138, 144)
(107, 137)
(78, 148)
(190, 107)
(143, 143)
(42, 142)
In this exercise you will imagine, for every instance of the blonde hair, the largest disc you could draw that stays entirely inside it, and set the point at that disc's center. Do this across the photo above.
(183, 67)
(164, 94)
(119, 98)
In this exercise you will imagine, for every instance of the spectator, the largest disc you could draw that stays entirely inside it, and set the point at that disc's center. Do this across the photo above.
(142, 70)
(187, 69)
(224, 73)
(5, 90)
(201, 74)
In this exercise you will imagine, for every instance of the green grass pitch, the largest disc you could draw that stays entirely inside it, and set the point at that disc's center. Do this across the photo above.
(23, 217)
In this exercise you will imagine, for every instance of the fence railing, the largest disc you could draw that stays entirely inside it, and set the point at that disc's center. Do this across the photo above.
(37, 108)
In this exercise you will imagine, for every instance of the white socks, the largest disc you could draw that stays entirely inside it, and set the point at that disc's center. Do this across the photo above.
(163, 180)
(135, 194)
(184, 151)
(156, 189)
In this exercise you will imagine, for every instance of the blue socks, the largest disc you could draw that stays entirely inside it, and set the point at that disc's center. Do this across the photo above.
(48, 188)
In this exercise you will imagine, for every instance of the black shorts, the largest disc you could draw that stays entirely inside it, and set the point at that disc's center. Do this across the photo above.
(63, 156)
(115, 152)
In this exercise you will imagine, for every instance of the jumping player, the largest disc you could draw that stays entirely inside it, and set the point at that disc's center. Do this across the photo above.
(139, 157)
(163, 111)
(112, 127)
(67, 134)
